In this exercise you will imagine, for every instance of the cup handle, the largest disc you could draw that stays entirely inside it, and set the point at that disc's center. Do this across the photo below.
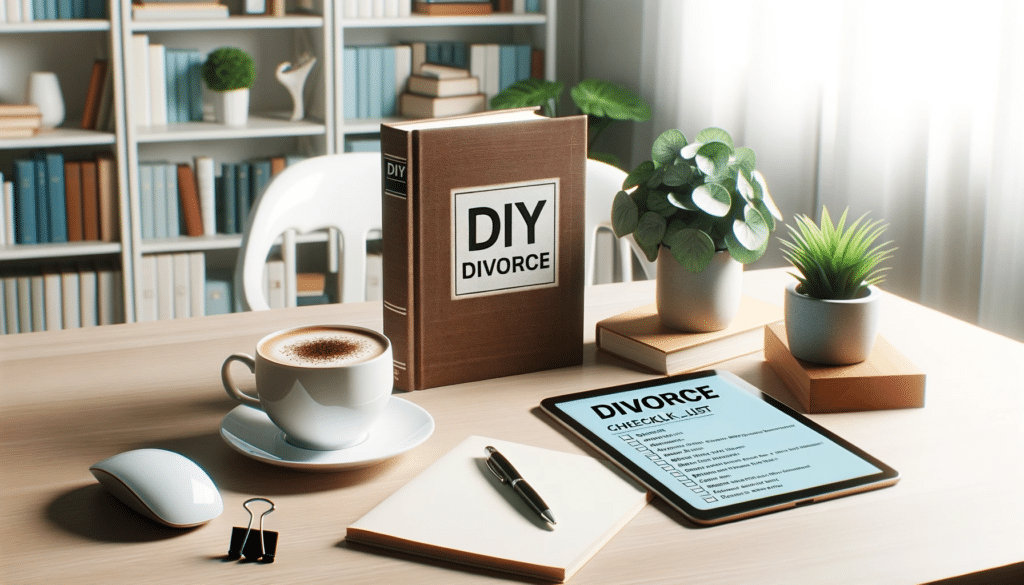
(229, 384)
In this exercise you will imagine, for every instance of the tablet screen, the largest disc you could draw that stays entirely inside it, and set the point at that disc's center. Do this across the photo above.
(716, 443)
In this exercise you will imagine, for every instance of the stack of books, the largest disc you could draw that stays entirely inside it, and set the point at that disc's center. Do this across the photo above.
(19, 120)
(438, 91)
(177, 10)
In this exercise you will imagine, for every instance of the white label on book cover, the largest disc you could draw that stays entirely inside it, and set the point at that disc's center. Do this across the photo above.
(505, 238)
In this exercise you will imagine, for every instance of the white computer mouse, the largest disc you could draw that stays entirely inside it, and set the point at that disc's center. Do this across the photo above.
(161, 485)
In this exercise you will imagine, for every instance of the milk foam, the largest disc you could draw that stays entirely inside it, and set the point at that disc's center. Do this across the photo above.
(322, 347)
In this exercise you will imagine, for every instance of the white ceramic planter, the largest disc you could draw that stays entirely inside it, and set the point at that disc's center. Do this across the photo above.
(701, 302)
(44, 91)
(232, 107)
(829, 332)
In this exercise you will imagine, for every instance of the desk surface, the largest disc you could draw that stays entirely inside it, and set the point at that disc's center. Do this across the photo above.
(70, 398)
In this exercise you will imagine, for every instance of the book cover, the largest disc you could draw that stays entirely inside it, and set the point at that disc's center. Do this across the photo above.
(456, 510)
(73, 200)
(158, 84)
(190, 206)
(107, 196)
(182, 285)
(56, 193)
(147, 201)
(172, 200)
(421, 106)
(441, 71)
(482, 253)
(42, 199)
(87, 299)
(93, 93)
(25, 201)
(206, 188)
(69, 294)
(639, 337)
(90, 201)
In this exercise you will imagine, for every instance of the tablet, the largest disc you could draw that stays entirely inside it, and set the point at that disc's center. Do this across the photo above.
(716, 448)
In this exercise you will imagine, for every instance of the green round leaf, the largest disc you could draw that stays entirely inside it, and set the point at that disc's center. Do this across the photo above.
(752, 231)
(713, 158)
(744, 158)
(625, 214)
(745, 188)
(715, 135)
(527, 93)
(639, 175)
(657, 201)
(741, 254)
(690, 150)
(692, 248)
(650, 229)
(712, 199)
(677, 174)
(666, 148)
(766, 197)
(682, 200)
(596, 97)
(651, 252)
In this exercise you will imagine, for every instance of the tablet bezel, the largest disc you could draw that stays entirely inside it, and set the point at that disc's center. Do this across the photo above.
(886, 477)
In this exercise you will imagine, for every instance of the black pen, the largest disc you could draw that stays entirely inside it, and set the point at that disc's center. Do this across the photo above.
(507, 474)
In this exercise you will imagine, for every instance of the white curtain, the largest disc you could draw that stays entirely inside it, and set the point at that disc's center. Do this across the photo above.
(911, 111)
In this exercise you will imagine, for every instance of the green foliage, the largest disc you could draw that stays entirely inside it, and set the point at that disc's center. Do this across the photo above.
(836, 262)
(603, 102)
(229, 68)
(696, 198)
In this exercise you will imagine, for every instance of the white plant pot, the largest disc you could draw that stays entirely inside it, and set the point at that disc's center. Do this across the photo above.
(828, 332)
(232, 107)
(44, 91)
(701, 302)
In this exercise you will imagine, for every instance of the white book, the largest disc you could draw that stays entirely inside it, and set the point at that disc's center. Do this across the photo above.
(110, 297)
(4, 231)
(27, 13)
(139, 99)
(404, 8)
(87, 297)
(53, 301)
(274, 284)
(378, 8)
(519, 6)
(478, 66)
(164, 286)
(25, 319)
(197, 283)
(403, 67)
(351, 9)
(182, 286)
(11, 308)
(3, 18)
(172, 11)
(493, 68)
(419, 56)
(147, 274)
(157, 85)
(38, 300)
(9, 212)
(69, 293)
(391, 9)
(365, 8)
(255, 6)
(3, 307)
(205, 185)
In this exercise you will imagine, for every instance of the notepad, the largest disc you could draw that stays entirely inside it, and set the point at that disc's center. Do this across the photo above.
(456, 510)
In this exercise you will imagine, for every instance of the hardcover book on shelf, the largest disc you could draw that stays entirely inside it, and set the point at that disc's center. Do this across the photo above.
(90, 201)
(452, 8)
(90, 113)
(457, 511)
(639, 337)
(190, 205)
(422, 106)
(431, 86)
(482, 252)
(25, 201)
(56, 193)
(73, 200)
(109, 226)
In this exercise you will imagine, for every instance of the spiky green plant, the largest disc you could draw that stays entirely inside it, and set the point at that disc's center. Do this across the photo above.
(229, 68)
(836, 262)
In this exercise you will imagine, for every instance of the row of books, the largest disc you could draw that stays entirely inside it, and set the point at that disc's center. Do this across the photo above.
(54, 200)
(178, 10)
(403, 8)
(15, 11)
(167, 81)
(60, 297)
(20, 120)
(376, 8)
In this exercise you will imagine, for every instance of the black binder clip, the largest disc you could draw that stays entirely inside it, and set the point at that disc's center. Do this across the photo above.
(255, 545)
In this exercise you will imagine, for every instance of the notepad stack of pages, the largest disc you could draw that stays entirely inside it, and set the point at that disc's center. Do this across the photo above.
(638, 336)
(457, 510)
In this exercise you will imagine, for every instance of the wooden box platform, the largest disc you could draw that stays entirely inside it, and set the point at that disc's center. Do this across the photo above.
(886, 380)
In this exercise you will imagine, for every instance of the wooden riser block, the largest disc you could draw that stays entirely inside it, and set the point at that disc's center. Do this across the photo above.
(886, 380)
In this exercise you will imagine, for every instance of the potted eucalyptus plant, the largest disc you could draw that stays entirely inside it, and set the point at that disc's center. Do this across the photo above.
(230, 72)
(702, 210)
(832, 310)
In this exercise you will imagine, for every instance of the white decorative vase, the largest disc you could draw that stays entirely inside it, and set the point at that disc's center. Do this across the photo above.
(232, 107)
(701, 302)
(828, 332)
(44, 91)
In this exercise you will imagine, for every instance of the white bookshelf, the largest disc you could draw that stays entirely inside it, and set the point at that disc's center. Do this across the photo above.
(70, 46)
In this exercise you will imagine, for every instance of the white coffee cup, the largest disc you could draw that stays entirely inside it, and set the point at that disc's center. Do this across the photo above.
(323, 385)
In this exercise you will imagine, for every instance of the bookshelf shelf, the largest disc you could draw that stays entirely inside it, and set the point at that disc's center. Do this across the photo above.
(54, 26)
(214, 242)
(419, 20)
(265, 126)
(61, 137)
(55, 251)
(231, 23)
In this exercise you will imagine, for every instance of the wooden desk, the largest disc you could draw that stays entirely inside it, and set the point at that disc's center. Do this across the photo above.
(71, 398)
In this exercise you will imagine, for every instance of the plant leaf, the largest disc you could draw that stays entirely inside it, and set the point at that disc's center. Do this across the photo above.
(666, 148)
(682, 200)
(715, 135)
(713, 199)
(745, 159)
(742, 254)
(625, 214)
(605, 157)
(657, 201)
(678, 174)
(650, 229)
(528, 93)
(766, 197)
(690, 150)
(713, 158)
(751, 232)
(596, 97)
(639, 175)
(692, 248)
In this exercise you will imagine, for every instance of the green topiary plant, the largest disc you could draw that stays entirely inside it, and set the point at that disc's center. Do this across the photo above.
(836, 262)
(229, 68)
(603, 102)
(697, 198)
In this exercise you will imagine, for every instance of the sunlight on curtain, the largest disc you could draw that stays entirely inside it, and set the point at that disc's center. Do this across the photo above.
(911, 111)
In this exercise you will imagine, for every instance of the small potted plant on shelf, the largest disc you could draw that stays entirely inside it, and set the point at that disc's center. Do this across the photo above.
(833, 309)
(702, 210)
(230, 72)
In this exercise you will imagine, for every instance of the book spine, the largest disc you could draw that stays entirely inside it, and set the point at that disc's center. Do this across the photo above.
(397, 250)
(107, 195)
(92, 97)
(206, 188)
(25, 319)
(13, 15)
(42, 199)
(25, 201)
(170, 80)
(523, 59)
(109, 295)
(56, 192)
(158, 84)
(506, 66)
(195, 85)
(90, 201)
(181, 84)
(73, 200)
(87, 297)
(8, 195)
(147, 201)
(182, 288)
(140, 85)
(11, 308)
(403, 70)
(190, 205)
(164, 286)
(69, 285)
(228, 209)
(365, 84)
(197, 283)
(52, 300)
(173, 200)
(242, 195)
(351, 89)
(388, 83)
(161, 225)
(259, 177)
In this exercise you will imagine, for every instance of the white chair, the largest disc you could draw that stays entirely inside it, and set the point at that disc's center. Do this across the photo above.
(603, 182)
(339, 191)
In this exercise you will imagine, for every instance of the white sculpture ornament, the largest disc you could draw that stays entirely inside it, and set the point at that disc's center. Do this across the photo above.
(293, 78)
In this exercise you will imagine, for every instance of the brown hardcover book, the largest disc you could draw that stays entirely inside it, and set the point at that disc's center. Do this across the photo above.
(431, 86)
(277, 164)
(639, 337)
(106, 182)
(90, 201)
(502, 5)
(189, 201)
(452, 8)
(483, 245)
(92, 96)
(886, 380)
(73, 199)
(537, 63)
(421, 106)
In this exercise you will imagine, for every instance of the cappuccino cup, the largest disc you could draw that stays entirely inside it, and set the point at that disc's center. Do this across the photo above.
(324, 386)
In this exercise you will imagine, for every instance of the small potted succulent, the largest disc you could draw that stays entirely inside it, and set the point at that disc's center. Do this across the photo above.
(832, 311)
(230, 72)
(702, 210)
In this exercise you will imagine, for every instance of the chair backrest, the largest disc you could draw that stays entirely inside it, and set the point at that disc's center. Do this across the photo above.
(603, 182)
(339, 191)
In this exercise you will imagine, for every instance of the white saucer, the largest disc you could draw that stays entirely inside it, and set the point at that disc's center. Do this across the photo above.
(250, 432)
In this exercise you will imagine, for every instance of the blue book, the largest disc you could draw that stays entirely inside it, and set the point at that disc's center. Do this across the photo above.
(195, 86)
(219, 299)
(158, 178)
(174, 211)
(445, 54)
(42, 200)
(58, 197)
(460, 55)
(65, 9)
(506, 66)
(38, 11)
(259, 177)
(147, 202)
(389, 97)
(434, 52)
(523, 61)
(242, 195)
(376, 109)
(228, 202)
(181, 84)
(25, 200)
(351, 76)
(366, 82)
(171, 87)
(78, 9)
(532, 6)
(50, 9)
(95, 9)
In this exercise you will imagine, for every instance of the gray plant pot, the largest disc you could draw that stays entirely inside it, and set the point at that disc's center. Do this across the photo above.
(830, 332)
(702, 302)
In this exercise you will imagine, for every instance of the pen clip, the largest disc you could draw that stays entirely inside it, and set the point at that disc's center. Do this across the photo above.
(496, 470)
